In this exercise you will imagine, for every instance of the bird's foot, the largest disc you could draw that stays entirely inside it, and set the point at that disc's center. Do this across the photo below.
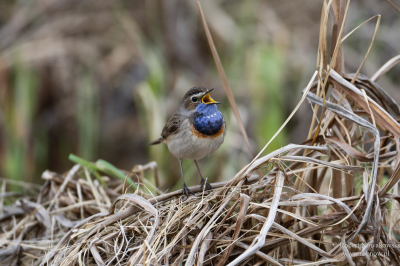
(204, 182)
(186, 191)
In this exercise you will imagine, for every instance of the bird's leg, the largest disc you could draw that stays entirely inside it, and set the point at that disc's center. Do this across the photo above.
(185, 190)
(203, 181)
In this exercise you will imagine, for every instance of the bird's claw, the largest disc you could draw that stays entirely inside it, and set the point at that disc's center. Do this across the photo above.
(186, 191)
(208, 186)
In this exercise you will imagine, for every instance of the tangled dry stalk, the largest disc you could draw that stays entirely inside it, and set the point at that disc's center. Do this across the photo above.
(322, 202)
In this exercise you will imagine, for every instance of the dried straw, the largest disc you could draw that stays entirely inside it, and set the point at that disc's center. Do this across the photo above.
(283, 216)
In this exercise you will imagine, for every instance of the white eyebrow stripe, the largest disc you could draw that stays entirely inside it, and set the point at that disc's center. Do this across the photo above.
(198, 95)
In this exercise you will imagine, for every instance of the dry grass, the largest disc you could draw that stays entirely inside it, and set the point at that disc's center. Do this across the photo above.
(323, 202)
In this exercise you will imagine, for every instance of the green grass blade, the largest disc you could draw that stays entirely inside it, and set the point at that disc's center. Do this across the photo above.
(89, 165)
(110, 169)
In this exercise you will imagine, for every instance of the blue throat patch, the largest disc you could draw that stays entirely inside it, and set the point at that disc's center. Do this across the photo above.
(208, 120)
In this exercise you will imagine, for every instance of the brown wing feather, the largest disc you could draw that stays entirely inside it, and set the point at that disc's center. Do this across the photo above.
(172, 126)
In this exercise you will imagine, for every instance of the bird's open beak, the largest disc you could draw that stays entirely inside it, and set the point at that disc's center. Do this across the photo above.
(207, 98)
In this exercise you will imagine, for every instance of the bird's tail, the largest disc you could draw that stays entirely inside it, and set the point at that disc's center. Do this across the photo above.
(157, 141)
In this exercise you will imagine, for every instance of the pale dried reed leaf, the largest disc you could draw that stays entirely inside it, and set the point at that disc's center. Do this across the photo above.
(380, 93)
(148, 207)
(351, 213)
(294, 236)
(303, 241)
(227, 216)
(302, 203)
(394, 178)
(322, 58)
(274, 243)
(337, 46)
(338, 21)
(70, 175)
(3, 191)
(244, 204)
(339, 110)
(294, 215)
(66, 237)
(369, 107)
(259, 162)
(322, 61)
(204, 248)
(95, 192)
(64, 221)
(191, 257)
(259, 241)
(38, 210)
(258, 253)
(105, 197)
(316, 161)
(344, 128)
(294, 261)
(79, 192)
(382, 117)
(385, 68)
(189, 223)
(5, 236)
(339, 97)
(320, 196)
(74, 206)
(325, 261)
(96, 255)
(348, 149)
(9, 194)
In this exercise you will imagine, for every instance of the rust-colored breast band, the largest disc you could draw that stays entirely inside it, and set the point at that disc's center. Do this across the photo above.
(203, 136)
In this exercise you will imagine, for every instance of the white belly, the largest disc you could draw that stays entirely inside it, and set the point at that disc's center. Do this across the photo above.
(186, 145)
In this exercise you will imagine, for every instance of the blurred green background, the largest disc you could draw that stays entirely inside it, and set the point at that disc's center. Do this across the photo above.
(99, 79)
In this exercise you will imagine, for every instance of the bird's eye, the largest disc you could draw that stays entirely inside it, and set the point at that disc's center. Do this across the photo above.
(194, 99)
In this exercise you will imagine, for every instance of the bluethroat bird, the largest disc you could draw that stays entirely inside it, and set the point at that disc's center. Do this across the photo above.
(195, 131)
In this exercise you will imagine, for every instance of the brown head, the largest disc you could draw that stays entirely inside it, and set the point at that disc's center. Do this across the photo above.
(196, 96)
